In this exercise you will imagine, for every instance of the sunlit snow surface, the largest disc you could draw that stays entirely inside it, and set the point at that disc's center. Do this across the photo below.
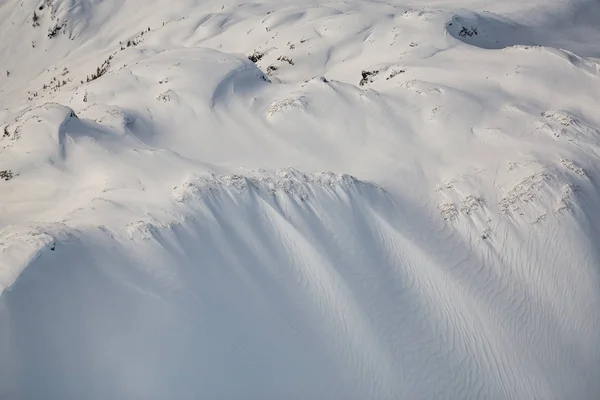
(389, 201)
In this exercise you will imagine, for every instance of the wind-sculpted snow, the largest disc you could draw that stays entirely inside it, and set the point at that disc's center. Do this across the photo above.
(166, 230)
(269, 281)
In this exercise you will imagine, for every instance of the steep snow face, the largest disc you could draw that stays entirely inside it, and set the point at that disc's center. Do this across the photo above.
(165, 231)
(300, 285)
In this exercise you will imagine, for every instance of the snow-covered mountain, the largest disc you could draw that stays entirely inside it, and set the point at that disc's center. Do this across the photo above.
(299, 200)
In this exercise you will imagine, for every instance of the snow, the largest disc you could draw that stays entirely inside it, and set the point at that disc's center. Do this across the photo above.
(391, 200)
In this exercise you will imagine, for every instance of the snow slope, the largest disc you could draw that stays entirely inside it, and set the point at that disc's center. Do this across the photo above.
(166, 230)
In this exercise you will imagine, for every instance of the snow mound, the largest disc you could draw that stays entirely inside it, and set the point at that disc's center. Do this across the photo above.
(38, 136)
(219, 75)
